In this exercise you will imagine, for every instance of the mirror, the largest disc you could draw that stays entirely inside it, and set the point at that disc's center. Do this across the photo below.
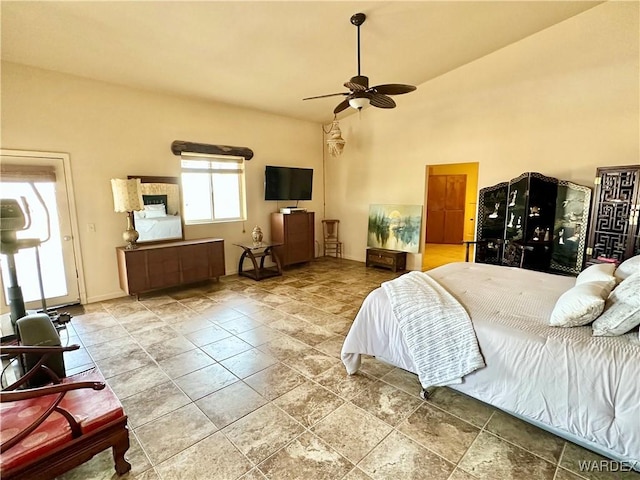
(161, 218)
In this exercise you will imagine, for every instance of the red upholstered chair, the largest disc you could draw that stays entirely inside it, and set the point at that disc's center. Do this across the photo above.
(46, 431)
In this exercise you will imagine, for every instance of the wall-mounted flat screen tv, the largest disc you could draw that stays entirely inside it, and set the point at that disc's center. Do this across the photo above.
(287, 183)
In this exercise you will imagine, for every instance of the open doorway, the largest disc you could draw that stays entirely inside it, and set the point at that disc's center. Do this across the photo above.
(451, 192)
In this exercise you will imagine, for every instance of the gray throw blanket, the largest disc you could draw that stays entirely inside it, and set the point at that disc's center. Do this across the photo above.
(437, 329)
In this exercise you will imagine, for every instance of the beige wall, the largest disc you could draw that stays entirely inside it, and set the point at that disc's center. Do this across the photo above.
(561, 102)
(110, 131)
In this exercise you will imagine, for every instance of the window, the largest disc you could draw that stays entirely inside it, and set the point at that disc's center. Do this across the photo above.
(213, 188)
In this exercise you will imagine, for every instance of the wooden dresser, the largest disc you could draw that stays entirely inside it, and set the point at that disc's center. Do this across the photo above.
(296, 233)
(163, 265)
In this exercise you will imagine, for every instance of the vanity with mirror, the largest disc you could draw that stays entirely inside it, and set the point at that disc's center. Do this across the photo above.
(163, 259)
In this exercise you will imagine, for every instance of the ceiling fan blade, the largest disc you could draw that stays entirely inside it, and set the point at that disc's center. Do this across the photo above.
(325, 96)
(341, 106)
(381, 101)
(359, 83)
(393, 89)
(356, 87)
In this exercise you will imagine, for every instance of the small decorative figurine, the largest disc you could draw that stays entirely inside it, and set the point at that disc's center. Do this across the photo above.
(514, 194)
(536, 234)
(256, 235)
(576, 233)
(510, 224)
(495, 212)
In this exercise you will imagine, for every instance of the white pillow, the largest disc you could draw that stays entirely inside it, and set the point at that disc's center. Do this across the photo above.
(597, 273)
(154, 211)
(138, 214)
(581, 304)
(627, 268)
(622, 309)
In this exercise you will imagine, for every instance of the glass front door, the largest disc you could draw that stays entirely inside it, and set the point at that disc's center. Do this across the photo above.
(48, 209)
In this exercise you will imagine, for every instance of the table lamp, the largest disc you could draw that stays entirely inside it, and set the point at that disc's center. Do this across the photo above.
(127, 197)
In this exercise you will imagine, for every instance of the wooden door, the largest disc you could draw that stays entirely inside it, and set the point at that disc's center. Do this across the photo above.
(445, 208)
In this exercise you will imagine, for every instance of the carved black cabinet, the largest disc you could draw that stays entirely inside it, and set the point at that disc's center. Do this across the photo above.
(535, 222)
(614, 232)
(530, 215)
(492, 211)
(570, 227)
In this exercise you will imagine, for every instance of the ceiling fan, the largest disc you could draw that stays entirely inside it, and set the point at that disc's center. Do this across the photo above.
(360, 93)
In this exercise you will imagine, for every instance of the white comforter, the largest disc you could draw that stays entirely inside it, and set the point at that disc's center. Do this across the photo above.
(436, 328)
(159, 228)
(582, 387)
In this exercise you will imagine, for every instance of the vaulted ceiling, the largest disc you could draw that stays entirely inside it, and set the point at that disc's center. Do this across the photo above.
(266, 55)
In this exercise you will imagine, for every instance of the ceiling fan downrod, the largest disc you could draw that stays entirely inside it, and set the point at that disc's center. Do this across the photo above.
(357, 20)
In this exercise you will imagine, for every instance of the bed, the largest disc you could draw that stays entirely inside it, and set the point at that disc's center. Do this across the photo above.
(160, 218)
(583, 388)
(159, 228)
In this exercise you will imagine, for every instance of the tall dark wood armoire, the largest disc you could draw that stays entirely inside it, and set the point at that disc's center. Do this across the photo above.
(614, 234)
(535, 222)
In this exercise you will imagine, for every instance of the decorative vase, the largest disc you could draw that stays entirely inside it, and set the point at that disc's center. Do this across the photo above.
(256, 235)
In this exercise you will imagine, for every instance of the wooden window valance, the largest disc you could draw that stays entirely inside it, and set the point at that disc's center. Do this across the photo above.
(27, 173)
(179, 147)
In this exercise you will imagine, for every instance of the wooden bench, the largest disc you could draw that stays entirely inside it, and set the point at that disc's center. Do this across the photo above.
(49, 430)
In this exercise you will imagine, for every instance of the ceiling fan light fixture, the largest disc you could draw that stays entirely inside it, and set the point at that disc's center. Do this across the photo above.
(358, 102)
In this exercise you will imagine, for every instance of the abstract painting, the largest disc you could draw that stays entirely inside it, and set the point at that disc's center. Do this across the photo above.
(395, 227)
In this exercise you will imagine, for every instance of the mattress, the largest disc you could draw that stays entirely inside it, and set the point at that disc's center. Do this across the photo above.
(582, 387)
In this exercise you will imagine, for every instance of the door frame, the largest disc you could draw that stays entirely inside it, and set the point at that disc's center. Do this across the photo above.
(73, 216)
(471, 169)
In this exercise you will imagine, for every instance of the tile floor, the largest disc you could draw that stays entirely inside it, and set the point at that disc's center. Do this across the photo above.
(242, 379)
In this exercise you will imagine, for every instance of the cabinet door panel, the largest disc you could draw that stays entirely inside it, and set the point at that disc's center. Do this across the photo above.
(298, 252)
(194, 263)
(137, 271)
(164, 267)
(297, 223)
(216, 259)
